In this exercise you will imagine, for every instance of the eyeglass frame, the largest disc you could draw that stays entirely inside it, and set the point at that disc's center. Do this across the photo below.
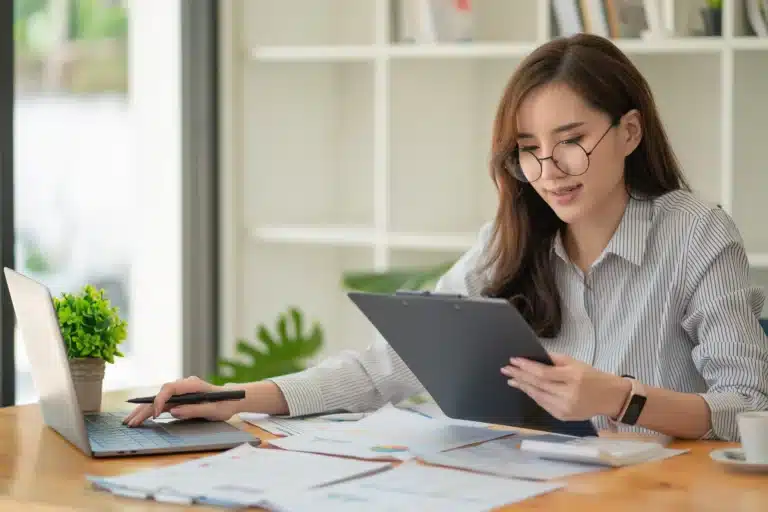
(516, 151)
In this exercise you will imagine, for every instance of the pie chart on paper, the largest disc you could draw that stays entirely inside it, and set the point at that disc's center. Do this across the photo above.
(389, 448)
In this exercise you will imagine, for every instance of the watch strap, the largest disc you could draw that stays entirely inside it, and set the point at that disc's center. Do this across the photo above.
(634, 403)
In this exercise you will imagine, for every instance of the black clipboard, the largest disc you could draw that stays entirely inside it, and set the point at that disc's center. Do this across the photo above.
(456, 347)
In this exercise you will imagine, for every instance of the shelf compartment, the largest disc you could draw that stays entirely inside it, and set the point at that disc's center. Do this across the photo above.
(491, 21)
(308, 22)
(742, 26)
(439, 162)
(688, 97)
(750, 174)
(759, 277)
(308, 144)
(278, 276)
(758, 259)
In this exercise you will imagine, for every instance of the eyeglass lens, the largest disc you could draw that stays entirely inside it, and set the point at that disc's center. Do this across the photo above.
(569, 157)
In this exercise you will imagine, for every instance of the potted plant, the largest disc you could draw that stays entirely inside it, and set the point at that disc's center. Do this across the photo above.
(92, 330)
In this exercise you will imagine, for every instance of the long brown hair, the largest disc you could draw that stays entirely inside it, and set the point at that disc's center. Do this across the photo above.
(525, 226)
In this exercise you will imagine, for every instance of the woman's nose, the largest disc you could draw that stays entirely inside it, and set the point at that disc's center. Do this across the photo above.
(549, 169)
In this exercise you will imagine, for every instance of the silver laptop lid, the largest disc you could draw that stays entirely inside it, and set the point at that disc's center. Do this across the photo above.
(39, 326)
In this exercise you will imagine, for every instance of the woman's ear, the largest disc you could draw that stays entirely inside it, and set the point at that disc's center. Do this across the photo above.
(631, 129)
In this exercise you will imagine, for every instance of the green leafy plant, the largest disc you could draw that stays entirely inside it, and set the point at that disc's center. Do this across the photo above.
(276, 353)
(90, 326)
(715, 4)
(416, 278)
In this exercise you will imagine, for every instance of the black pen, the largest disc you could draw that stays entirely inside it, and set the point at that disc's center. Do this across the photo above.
(194, 398)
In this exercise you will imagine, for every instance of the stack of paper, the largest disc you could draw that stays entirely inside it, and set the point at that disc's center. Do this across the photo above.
(281, 426)
(413, 487)
(288, 426)
(508, 457)
(389, 434)
(238, 477)
(295, 482)
(503, 457)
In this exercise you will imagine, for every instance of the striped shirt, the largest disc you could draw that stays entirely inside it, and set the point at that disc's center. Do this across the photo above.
(668, 301)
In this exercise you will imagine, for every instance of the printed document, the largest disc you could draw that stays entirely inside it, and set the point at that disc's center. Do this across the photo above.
(287, 426)
(280, 426)
(503, 457)
(389, 434)
(241, 476)
(413, 487)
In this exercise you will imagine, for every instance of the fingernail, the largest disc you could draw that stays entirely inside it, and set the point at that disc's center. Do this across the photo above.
(512, 383)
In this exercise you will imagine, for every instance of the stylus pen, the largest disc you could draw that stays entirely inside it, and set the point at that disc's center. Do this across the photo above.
(194, 398)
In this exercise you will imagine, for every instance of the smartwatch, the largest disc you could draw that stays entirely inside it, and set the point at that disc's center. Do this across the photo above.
(634, 404)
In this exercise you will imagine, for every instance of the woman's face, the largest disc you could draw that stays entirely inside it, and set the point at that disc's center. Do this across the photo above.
(582, 171)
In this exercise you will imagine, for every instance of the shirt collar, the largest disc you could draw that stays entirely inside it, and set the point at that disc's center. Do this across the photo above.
(629, 240)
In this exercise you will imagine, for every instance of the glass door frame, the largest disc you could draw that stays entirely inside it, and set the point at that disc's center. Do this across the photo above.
(7, 220)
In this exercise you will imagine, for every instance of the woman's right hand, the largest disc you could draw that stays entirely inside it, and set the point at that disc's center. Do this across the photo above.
(214, 411)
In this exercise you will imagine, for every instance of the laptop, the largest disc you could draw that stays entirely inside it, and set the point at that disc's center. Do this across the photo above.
(97, 434)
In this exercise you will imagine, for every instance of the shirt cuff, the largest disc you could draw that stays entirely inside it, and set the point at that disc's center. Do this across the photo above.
(301, 394)
(723, 408)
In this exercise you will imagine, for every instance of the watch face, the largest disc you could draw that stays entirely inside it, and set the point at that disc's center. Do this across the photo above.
(634, 409)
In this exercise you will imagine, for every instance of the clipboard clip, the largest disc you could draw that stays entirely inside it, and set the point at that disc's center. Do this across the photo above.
(428, 293)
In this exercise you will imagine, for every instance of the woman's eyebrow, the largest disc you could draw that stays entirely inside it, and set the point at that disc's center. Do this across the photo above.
(559, 129)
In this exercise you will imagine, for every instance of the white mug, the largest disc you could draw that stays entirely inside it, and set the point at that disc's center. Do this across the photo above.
(753, 429)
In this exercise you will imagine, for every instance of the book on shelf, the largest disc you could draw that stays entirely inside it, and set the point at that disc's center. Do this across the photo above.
(432, 21)
(614, 19)
(757, 15)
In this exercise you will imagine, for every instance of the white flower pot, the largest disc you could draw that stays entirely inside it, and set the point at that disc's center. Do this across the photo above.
(88, 377)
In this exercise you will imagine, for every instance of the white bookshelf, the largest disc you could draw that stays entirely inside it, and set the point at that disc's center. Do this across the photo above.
(343, 149)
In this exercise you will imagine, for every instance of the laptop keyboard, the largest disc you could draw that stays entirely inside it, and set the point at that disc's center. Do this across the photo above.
(107, 432)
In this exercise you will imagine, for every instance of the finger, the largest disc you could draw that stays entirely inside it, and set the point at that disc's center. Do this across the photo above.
(139, 415)
(207, 411)
(543, 371)
(546, 400)
(534, 379)
(560, 359)
(133, 413)
(188, 385)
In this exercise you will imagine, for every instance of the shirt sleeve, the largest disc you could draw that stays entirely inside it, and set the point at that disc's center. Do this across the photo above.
(368, 379)
(722, 318)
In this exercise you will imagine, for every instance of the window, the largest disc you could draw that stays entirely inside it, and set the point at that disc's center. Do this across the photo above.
(97, 169)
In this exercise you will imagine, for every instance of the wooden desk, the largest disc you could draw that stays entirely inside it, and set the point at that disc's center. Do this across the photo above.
(42, 471)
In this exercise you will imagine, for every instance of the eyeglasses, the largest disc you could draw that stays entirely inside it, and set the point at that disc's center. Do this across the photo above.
(567, 155)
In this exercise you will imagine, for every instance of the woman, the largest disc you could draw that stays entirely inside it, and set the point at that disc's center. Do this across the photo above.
(638, 290)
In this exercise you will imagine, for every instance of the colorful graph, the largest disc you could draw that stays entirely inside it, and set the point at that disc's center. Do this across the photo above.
(389, 448)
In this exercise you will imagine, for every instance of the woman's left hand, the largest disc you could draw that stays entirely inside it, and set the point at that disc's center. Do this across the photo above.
(570, 390)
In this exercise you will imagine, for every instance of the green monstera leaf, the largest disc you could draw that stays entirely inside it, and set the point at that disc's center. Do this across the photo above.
(282, 352)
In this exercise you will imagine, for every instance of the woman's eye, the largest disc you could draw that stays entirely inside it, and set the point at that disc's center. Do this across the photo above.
(529, 148)
(573, 140)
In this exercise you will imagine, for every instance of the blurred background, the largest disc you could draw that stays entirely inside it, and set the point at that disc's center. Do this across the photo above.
(227, 170)
(97, 166)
